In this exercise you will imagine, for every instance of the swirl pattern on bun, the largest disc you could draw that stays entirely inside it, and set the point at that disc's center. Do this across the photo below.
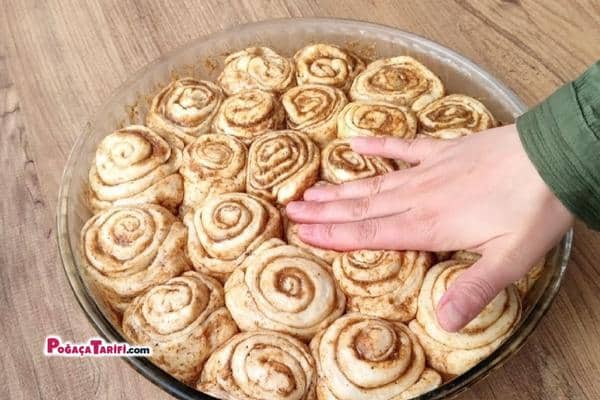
(127, 250)
(314, 109)
(183, 320)
(134, 165)
(248, 114)
(257, 68)
(372, 118)
(453, 116)
(281, 165)
(212, 164)
(361, 357)
(286, 289)
(399, 80)
(325, 64)
(226, 229)
(260, 365)
(339, 163)
(430, 379)
(381, 283)
(184, 109)
(455, 353)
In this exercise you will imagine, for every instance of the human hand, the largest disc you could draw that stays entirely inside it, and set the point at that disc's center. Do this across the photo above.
(480, 193)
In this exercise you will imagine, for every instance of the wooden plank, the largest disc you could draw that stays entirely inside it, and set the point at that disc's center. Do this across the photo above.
(59, 60)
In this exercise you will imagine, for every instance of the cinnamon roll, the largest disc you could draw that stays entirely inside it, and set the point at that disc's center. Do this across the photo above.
(226, 229)
(339, 163)
(184, 109)
(454, 116)
(286, 289)
(183, 320)
(465, 256)
(443, 255)
(399, 80)
(430, 379)
(257, 68)
(314, 109)
(325, 64)
(381, 283)
(134, 165)
(248, 114)
(361, 357)
(372, 118)
(127, 250)
(525, 284)
(261, 365)
(455, 353)
(281, 165)
(212, 164)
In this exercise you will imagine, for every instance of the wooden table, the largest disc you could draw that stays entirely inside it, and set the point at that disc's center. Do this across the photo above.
(59, 60)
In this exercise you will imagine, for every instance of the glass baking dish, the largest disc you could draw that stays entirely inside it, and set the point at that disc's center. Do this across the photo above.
(203, 58)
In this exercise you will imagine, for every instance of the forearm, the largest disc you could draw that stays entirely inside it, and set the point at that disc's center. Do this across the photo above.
(562, 138)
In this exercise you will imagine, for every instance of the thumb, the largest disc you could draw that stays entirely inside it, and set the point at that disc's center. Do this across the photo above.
(468, 295)
(411, 150)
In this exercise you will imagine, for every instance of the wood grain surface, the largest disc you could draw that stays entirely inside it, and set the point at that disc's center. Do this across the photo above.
(60, 59)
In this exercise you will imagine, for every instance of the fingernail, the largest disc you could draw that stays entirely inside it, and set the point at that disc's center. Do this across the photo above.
(313, 194)
(450, 317)
(360, 141)
(294, 207)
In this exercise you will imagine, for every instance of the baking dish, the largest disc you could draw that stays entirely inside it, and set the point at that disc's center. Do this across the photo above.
(203, 58)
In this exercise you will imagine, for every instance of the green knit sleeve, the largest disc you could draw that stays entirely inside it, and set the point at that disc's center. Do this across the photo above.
(561, 135)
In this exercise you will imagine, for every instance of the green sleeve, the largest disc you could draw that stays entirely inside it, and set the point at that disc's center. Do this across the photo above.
(562, 138)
